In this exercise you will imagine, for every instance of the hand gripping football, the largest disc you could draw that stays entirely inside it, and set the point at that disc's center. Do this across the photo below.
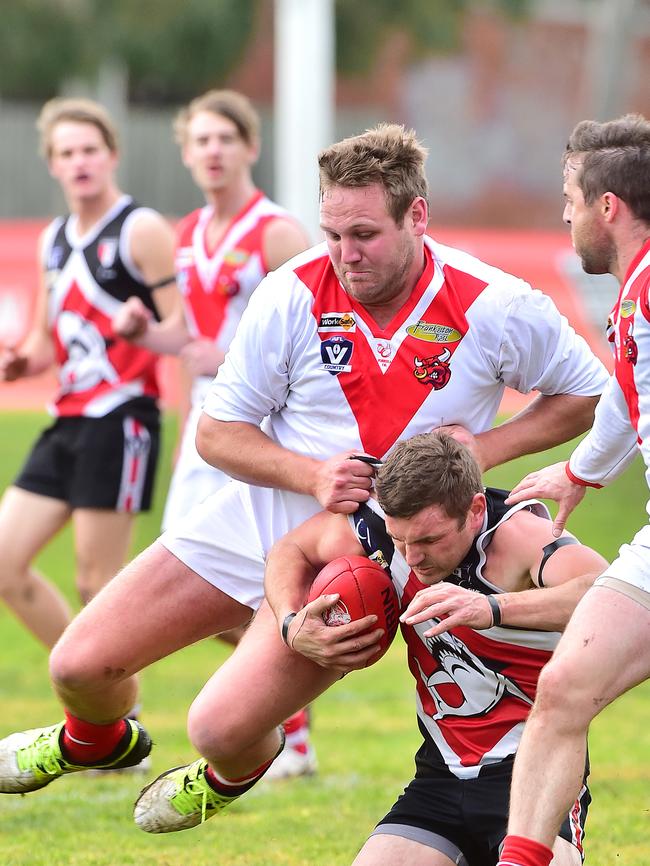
(364, 588)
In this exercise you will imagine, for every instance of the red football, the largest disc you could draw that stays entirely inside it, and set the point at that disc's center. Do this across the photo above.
(364, 587)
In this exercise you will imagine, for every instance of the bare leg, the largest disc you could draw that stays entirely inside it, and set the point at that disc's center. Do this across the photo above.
(233, 721)
(155, 606)
(603, 653)
(102, 539)
(565, 854)
(386, 850)
(27, 522)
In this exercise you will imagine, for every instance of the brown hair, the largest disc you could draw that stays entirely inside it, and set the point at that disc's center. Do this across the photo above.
(228, 103)
(615, 158)
(428, 469)
(389, 155)
(61, 110)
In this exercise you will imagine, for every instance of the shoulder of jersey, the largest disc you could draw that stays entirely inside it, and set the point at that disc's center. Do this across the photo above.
(467, 263)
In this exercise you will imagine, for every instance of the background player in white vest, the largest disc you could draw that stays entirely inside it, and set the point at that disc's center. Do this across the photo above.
(373, 336)
(223, 251)
(605, 650)
(466, 567)
(95, 465)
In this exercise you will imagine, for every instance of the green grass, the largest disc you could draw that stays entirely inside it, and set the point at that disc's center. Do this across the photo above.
(364, 731)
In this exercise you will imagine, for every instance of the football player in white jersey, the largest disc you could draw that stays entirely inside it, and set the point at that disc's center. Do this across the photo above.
(378, 334)
(223, 251)
(605, 650)
(95, 465)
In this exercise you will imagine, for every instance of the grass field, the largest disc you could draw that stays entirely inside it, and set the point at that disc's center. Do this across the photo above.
(365, 734)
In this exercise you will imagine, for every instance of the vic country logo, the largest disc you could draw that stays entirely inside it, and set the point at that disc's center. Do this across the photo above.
(434, 370)
(336, 353)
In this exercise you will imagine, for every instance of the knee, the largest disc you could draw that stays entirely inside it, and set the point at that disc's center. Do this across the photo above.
(74, 666)
(213, 731)
(561, 701)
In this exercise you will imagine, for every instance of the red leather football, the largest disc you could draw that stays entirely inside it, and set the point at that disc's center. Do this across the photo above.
(364, 587)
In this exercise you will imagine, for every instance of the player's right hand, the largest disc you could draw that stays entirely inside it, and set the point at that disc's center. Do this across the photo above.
(341, 484)
(132, 319)
(553, 483)
(341, 648)
(12, 365)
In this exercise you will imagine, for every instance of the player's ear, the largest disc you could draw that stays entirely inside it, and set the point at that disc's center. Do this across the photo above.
(418, 214)
(477, 509)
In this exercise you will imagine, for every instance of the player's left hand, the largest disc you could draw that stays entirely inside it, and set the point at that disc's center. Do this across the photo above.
(452, 605)
(342, 648)
(201, 358)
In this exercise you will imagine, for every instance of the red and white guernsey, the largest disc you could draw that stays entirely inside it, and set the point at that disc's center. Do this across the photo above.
(329, 379)
(216, 284)
(474, 689)
(88, 278)
(622, 422)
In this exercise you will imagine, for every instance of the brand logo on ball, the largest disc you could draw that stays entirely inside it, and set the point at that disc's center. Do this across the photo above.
(336, 353)
(337, 615)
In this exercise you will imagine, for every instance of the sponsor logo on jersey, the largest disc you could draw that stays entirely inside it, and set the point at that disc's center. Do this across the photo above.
(236, 257)
(337, 322)
(107, 251)
(434, 370)
(383, 353)
(336, 354)
(433, 333)
(627, 309)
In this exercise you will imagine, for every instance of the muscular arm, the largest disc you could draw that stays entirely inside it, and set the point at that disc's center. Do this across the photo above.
(244, 452)
(515, 556)
(291, 566)
(545, 422)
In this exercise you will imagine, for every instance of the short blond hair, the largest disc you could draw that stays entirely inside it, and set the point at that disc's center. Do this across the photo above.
(62, 110)
(389, 154)
(227, 103)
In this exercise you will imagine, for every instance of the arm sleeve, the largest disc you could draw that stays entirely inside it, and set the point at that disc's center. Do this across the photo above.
(254, 379)
(611, 444)
(541, 351)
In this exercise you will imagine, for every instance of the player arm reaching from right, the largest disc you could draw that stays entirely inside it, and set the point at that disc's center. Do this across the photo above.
(603, 455)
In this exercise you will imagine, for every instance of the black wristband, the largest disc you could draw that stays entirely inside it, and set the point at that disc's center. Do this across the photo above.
(495, 608)
(286, 622)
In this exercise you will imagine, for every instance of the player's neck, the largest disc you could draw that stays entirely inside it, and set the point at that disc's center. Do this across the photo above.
(228, 201)
(627, 251)
(90, 211)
